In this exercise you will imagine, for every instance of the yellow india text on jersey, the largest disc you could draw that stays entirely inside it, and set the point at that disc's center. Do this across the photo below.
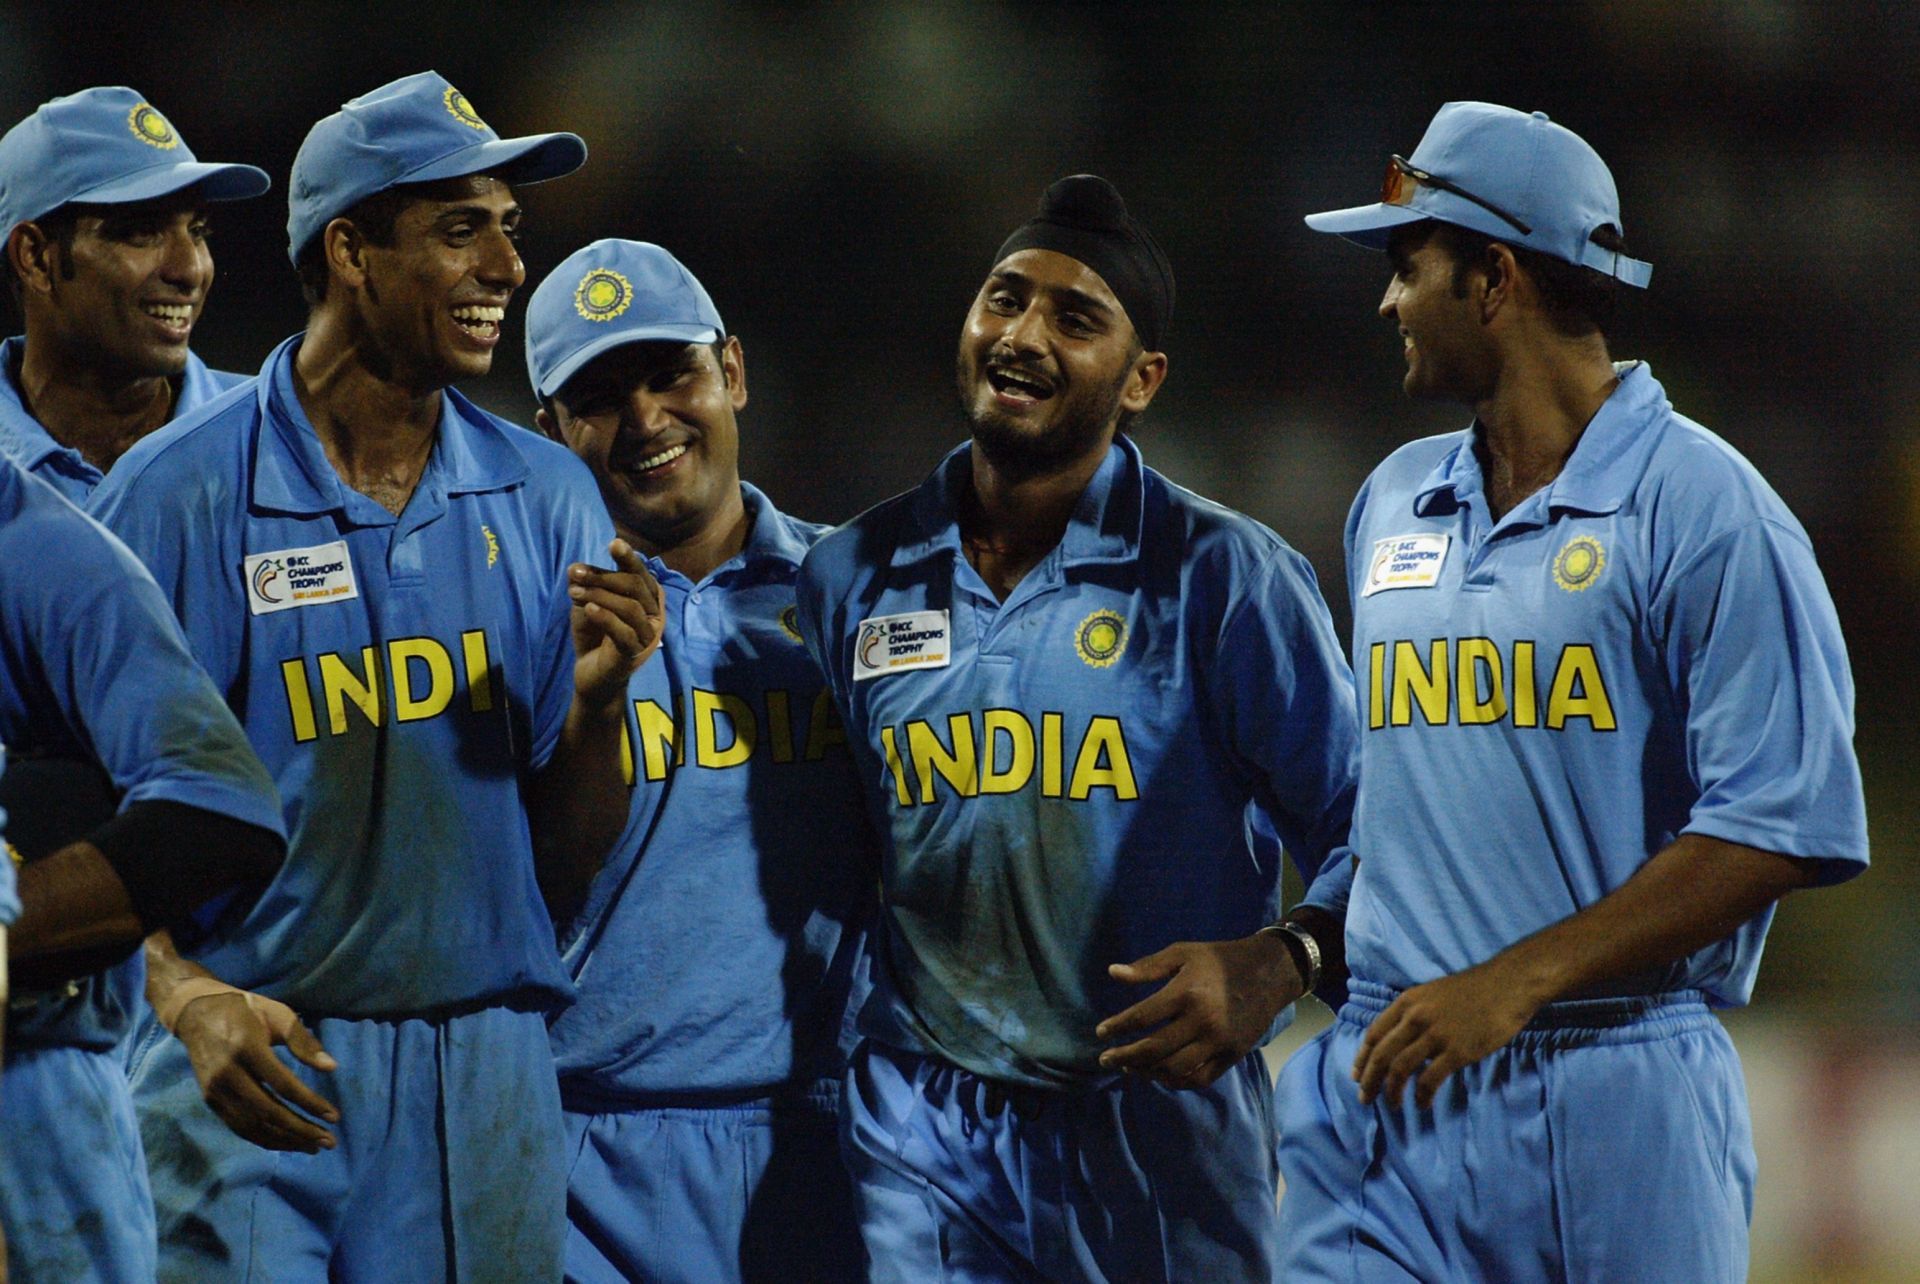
(1000, 751)
(728, 730)
(1473, 682)
(410, 680)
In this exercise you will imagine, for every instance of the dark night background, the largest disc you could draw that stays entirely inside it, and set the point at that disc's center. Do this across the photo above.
(839, 176)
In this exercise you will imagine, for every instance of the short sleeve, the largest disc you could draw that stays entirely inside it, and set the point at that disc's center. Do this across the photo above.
(1284, 697)
(1753, 647)
(118, 667)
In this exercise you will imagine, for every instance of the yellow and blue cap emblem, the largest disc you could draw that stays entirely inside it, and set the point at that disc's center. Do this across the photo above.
(151, 128)
(602, 295)
(462, 110)
(1579, 564)
(1101, 638)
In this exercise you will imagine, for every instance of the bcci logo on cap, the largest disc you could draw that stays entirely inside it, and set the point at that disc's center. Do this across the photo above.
(1579, 564)
(462, 110)
(151, 128)
(602, 295)
(1101, 638)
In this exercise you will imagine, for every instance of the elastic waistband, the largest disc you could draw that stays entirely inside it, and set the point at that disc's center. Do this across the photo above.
(526, 999)
(584, 1098)
(1634, 1018)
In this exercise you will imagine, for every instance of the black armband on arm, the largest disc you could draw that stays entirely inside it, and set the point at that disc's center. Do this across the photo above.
(172, 857)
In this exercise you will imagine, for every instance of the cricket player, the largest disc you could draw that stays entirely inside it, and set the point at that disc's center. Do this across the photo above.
(104, 212)
(1065, 681)
(94, 675)
(1592, 617)
(390, 588)
(700, 1066)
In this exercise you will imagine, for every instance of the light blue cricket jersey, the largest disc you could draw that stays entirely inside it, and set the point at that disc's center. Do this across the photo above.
(1642, 649)
(1062, 780)
(98, 1006)
(92, 665)
(715, 950)
(27, 443)
(400, 678)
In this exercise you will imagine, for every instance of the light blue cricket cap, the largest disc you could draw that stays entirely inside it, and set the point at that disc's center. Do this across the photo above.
(419, 129)
(605, 296)
(105, 146)
(1543, 174)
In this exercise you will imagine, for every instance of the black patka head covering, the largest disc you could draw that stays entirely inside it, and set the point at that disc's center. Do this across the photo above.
(1083, 217)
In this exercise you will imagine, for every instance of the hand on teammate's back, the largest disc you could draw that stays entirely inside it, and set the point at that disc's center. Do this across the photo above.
(1219, 999)
(230, 1037)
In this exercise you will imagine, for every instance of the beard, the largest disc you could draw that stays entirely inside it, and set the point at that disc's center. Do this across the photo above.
(1083, 420)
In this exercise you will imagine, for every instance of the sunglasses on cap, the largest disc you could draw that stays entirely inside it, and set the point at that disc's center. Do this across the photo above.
(1402, 179)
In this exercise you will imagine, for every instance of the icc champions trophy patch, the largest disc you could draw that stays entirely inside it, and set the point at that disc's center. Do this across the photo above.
(291, 577)
(1101, 638)
(1579, 564)
(602, 295)
(893, 643)
(151, 128)
(462, 110)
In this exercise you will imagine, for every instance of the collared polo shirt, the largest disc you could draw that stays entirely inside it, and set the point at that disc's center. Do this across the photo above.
(29, 444)
(1641, 649)
(400, 677)
(1062, 780)
(717, 947)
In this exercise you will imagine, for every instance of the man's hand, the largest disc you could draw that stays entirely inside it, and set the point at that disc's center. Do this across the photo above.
(230, 1036)
(1218, 1000)
(618, 617)
(1432, 1030)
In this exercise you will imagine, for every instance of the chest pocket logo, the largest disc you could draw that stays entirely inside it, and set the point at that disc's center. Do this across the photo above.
(1578, 566)
(1101, 639)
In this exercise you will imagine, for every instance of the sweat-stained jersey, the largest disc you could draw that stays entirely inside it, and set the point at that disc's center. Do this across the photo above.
(716, 949)
(1062, 780)
(1642, 649)
(399, 676)
(27, 443)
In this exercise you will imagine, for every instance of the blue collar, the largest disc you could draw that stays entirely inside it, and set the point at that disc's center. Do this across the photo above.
(1606, 463)
(472, 452)
(1104, 528)
(773, 536)
(773, 540)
